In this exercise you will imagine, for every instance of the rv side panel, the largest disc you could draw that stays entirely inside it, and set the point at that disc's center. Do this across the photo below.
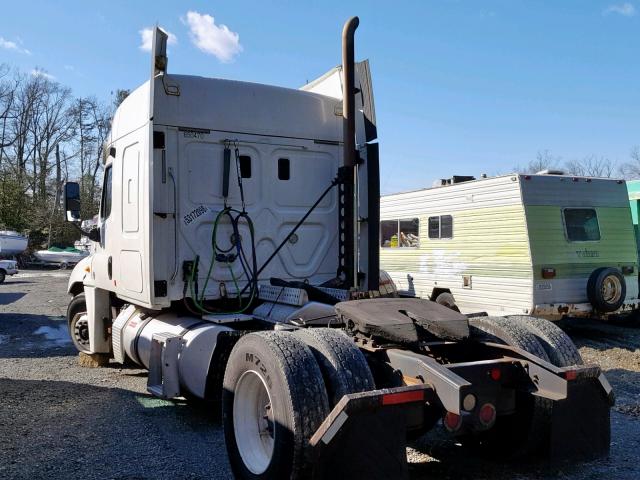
(478, 252)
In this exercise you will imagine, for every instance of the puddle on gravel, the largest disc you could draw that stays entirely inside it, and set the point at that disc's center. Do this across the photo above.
(58, 335)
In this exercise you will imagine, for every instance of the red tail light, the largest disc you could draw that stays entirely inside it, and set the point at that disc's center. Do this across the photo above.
(548, 272)
(487, 414)
(495, 373)
(452, 421)
(570, 375)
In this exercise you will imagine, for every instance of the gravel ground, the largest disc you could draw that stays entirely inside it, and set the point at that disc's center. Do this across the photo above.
(61, 421)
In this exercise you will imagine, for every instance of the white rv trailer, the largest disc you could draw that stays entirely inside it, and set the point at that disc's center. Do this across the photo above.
(205, 180)
(543, 245)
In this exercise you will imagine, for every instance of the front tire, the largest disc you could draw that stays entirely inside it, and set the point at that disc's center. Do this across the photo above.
(273, 400)
(2, 276)
(78, 323)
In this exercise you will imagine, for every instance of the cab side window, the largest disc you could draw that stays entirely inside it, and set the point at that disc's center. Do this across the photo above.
(105, 202)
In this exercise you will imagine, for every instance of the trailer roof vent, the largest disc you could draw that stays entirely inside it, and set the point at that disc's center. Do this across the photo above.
(550, 171)
(452, 180)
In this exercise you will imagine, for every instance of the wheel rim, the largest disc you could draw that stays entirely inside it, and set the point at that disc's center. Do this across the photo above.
(80, 330)
(253, 424)
(611, 289)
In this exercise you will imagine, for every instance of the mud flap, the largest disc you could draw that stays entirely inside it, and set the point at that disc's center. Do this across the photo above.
(364, 436)
(580, 424)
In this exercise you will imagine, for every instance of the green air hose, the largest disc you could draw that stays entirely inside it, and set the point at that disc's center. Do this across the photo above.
(199, 302)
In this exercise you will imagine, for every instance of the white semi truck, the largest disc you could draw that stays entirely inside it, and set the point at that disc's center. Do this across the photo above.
(237, 260)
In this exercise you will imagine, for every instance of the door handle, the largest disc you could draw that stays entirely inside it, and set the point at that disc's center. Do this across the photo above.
(110, 268)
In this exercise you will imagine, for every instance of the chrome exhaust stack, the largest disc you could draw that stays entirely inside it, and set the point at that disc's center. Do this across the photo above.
(349, 218)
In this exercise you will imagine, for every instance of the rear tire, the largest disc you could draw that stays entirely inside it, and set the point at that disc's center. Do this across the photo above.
(560, 349)
(344, 367)
(273, 400)
(525, 432)
(447, 300)
(78, 323)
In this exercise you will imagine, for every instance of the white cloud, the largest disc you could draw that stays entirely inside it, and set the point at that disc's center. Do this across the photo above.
(69, 67)
(16, 47)
(216, 40)
(36, 72)
(146, 37)
(626, 9)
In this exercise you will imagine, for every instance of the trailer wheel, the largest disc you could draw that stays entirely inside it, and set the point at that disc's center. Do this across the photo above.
(344, 367)
(525, 432)
(560, 349)
(606, 289)
(273, 400)
(447, 300)
(78, 323)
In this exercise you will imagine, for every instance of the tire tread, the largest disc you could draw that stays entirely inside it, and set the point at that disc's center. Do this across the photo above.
(344, 366)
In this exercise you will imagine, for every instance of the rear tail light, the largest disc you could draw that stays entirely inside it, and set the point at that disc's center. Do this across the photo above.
(452, 421)
(495, 374)
(487, 414)
(627, 269)
(548, 272)
(570, 375)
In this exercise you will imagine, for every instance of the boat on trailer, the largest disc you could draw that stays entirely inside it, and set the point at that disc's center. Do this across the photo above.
(12, 243)
(60, 256)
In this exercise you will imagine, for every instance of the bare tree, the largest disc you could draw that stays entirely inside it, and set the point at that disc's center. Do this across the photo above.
(591, 166)
(631, 169)
(544, 161)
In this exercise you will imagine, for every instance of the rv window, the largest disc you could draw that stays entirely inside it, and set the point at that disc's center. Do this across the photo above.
(446, 226)
(400, 233)
(409, 233)
(434, 227)
(441, 227)
(581, 224)
(105, 208)
(389, 233)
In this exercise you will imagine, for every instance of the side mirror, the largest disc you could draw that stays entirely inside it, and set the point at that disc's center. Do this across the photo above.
(94, 234)
(72, 201)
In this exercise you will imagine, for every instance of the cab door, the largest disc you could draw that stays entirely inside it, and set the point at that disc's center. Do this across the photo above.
(102, 260)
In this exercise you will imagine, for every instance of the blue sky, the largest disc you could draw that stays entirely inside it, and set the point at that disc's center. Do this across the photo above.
(461, 86)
